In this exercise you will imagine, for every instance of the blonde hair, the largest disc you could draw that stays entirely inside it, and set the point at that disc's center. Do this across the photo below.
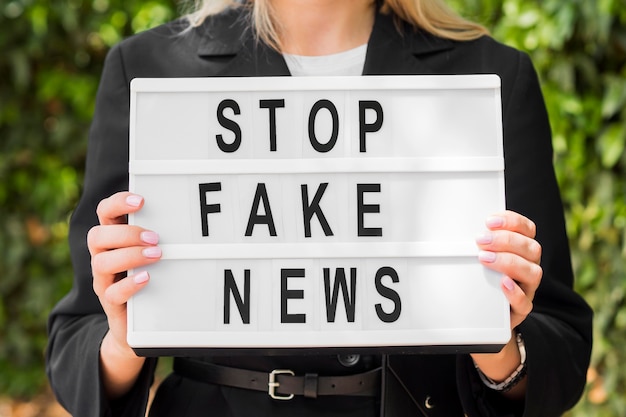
(433, 16)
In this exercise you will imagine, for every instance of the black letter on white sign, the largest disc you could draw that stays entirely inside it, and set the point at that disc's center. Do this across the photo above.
(205, 208)
(286, 294)
(255, 218)
(272, 105)
(228, 124)
(309, 210)
(230, 287)
(367, 208)
(369, 127)
(388, 293)
(323, 147)
(349, 300)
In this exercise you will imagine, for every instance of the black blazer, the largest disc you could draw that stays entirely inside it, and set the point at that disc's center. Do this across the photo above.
(557, 332)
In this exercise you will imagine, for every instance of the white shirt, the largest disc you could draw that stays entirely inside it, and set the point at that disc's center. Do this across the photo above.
(349, 62)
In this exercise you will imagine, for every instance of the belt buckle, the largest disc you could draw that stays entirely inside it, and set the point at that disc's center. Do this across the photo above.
(273, 384)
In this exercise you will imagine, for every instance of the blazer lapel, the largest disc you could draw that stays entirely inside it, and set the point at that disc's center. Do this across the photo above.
(228, 36)
(389, 51)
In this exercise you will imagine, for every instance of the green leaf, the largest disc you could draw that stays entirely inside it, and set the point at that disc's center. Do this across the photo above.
(611, 143)
(614, 98)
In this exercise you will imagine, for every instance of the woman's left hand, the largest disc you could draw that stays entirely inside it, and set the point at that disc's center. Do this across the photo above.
(509, 247)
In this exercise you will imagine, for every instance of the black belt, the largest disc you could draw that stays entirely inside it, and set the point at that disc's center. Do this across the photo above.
(281, 384)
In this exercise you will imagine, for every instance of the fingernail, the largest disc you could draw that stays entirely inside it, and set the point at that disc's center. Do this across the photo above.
(134, 200)
(484, 238)
(149, 237)
(508, 283)
(152, 252)
(494, 221)
(486, 256)
(141, 277)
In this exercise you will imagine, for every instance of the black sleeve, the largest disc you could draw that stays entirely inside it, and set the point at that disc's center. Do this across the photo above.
(78, 324)
(557, 333)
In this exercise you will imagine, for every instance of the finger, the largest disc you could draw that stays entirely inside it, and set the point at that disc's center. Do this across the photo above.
(113, 210)
(119, 260)
(521, 304)
(117, 295)
(506, 241)
(515, 222)
(527, 274)
(107, 265)
(103, 238)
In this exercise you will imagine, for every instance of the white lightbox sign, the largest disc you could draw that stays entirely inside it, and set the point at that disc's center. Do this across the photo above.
(306, 212)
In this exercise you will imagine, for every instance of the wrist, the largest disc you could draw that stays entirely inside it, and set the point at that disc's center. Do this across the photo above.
(512, 380)
(498, 366)
(119, 367)
(110, 347)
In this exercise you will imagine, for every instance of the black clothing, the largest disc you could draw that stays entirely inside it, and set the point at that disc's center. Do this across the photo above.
(557, 333)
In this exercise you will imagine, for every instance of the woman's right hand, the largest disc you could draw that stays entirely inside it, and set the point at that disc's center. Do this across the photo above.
(116, 247)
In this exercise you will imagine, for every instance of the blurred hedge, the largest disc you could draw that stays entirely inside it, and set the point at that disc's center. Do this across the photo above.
(51, 55)
(50, 61)
(579, 49)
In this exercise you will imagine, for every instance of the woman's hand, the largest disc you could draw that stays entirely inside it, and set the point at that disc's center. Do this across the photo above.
(116, 247)
(509, 247)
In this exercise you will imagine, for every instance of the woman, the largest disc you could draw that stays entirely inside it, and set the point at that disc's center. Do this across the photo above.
(540, 372)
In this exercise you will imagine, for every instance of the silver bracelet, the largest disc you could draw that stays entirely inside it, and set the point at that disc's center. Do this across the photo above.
(515, 377)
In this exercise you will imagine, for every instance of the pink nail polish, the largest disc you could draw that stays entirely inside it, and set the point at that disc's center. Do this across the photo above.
(484, 239)
(486, 256)
(494, 221)
(141, 277)
(508, 283)
(152, 252)
(134, 200)
(151, 238)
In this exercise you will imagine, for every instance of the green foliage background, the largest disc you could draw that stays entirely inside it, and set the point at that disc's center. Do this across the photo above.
(51, 55)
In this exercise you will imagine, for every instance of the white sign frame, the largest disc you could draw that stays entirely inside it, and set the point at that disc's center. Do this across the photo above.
(473, 99)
